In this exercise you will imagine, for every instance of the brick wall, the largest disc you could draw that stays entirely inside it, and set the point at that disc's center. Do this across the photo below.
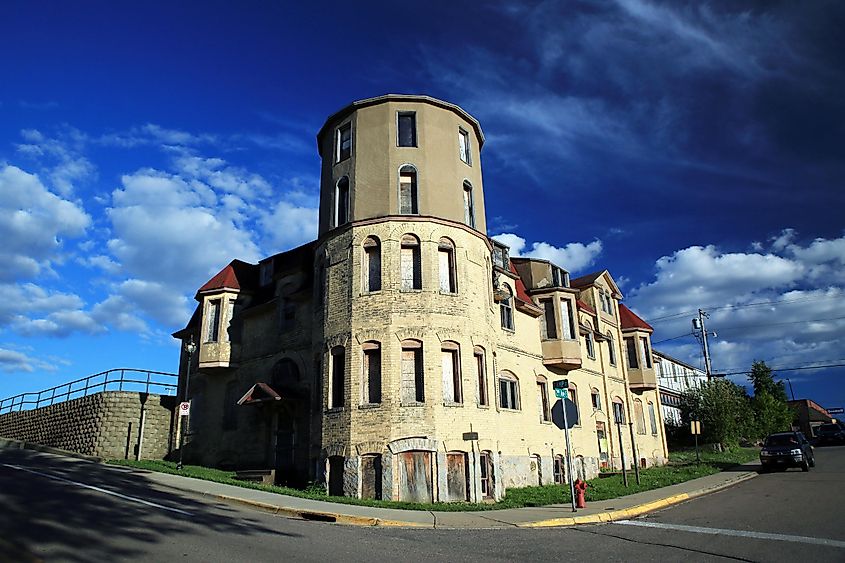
(106, 425)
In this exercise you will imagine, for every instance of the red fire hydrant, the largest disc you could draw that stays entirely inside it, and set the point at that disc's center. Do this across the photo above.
(580, 491)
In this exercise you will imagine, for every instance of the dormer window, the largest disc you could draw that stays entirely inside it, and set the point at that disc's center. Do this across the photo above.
(500, 256)
(560, 278)
(212, 320)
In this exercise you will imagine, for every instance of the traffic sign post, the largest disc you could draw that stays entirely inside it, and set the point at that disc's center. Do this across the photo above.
(561, 388)
(695, 428)
(184, 408)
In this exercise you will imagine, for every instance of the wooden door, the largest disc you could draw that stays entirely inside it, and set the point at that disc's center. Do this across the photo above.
(456, 477)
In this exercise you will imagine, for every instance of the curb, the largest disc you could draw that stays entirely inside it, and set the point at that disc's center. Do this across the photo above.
(634, 511)
(601, 518)
(9, 444)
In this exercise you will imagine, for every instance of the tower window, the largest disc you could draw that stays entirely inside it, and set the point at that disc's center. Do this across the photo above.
(469, 206)
(341, 202)
(372, 372)
(410, 263)
(464, 146)
(344, 142)
(452, 388)
(408, 190)
(506, 309)
(337, 381)
(406, 130)
(372, 265)
(412, 384)
(446, 258)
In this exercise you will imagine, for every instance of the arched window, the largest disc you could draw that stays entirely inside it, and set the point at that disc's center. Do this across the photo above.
(412, 384)
(508, 391)
(573, 397)
(611, 349)
(410, 263)
(543, 398)
(639, 416)
(487, 474)
(481, 374)
(372, 372)
(559, 470)
(341, 202)
(506, 308)
(588, 340)
(618, 411)
(451, 361)
(446, 259)
(595, 397)
(469, 205)
(408, 204)
(338, 377)
(372, 264)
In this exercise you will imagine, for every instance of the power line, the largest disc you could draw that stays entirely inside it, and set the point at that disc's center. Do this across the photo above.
(730, 328)
(742, 306)
(789, 369)
(673, 338)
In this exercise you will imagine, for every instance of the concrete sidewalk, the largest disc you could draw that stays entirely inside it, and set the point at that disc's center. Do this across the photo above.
(534, 517)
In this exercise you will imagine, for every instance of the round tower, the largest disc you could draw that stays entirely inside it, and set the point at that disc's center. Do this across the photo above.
(406, 313)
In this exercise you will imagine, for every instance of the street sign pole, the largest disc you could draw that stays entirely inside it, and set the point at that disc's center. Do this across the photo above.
(622, 454)
(568, 454)
(696, 430)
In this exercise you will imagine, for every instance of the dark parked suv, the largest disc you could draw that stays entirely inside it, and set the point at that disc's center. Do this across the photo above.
(787, 449)
(830, 434)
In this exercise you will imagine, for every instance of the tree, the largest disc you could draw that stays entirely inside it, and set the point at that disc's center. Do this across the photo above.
(771, 411)
(723, 409)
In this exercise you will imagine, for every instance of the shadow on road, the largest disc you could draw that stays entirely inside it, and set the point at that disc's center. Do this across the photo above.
(64, 521)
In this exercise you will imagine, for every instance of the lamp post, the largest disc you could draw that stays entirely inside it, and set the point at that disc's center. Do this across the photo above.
(190, 348)
(791, 392)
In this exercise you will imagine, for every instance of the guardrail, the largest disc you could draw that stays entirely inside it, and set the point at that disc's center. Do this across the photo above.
(120, 379)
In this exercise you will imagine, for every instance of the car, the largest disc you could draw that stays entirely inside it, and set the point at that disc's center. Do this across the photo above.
(832, 433)
(787, 449)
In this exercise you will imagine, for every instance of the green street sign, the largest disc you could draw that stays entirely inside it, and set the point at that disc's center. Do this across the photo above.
(561, 393)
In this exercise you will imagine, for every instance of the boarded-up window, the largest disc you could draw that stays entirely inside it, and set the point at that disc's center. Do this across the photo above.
(372, 264)
(588, 341)
(639, 416)
(212, 321)
(371, 475)
(631, 350)
(543, 399)
(337, 379)
(535, 467)
(456, 477)
(618, 411)
(559, 470)
(412, 388)
(410, 263)
(548, 319)
(469, 205)
(450, 356)
(566, 319)
(573, 398)
(446, 257)
(487, 475)
(415, 483)
(481, 375)
(601, 435)
(408, 190)
(372, 372)
(611, 349)
(652, 417)
(336, 476)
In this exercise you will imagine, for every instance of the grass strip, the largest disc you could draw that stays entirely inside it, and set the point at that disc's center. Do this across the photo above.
(681, 467)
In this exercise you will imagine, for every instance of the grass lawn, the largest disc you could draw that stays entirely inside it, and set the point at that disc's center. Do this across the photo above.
(682, 467)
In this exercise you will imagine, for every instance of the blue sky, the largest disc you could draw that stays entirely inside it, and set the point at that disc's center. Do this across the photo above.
(693, 149)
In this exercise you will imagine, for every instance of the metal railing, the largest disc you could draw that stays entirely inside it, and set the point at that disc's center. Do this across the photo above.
(120, 379)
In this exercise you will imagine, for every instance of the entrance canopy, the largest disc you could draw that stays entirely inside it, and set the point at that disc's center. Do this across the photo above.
(259, 394)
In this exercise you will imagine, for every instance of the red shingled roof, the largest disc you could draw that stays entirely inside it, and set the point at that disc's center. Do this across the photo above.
(521, 293)
(630, 320)
(584, 307)
(236, 275)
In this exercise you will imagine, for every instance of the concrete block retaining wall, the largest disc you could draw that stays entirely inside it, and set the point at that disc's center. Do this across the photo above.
(106, 425)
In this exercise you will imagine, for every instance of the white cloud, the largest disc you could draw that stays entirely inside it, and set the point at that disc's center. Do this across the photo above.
(573, 257)
(60, 158)
(14, 361)
(33, 221)
(289, 225)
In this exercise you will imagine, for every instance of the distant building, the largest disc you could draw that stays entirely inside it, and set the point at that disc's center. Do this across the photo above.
(808, 416)
(674, 378)
(403, 354)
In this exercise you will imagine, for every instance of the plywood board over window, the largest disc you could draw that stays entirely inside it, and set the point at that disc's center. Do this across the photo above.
(415, 483)
(457, 477)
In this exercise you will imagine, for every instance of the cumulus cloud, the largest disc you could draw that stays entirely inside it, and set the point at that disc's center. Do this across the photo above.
(33, 223)
(573, 257)
(770, 304)
(15, 361)
(59, 158)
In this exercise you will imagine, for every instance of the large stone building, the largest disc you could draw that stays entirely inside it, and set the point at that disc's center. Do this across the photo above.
(403, 354)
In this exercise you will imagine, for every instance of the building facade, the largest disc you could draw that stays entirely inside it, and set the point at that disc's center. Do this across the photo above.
(674, 378)
(403, 354)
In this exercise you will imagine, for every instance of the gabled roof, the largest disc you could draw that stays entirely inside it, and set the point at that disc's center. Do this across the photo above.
(590, 279)
(629, 320)
(521, 293)
(237, 275)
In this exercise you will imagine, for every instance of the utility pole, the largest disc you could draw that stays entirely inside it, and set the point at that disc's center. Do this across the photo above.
(698, 324)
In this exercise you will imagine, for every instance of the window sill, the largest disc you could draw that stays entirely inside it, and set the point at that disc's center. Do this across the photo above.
(452, 404)
(546, 422)
(511, 330)
(402, 290)
(365, 406)
(414, 404)
(485, 407)
(376, 292)
(452, 293)
(506, 409)
(334, 410)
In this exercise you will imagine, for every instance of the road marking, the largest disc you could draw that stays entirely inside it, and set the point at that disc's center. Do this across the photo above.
(737, 533)
(100, 490)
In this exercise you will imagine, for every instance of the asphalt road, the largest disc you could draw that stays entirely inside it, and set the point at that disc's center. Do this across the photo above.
(61, 509)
